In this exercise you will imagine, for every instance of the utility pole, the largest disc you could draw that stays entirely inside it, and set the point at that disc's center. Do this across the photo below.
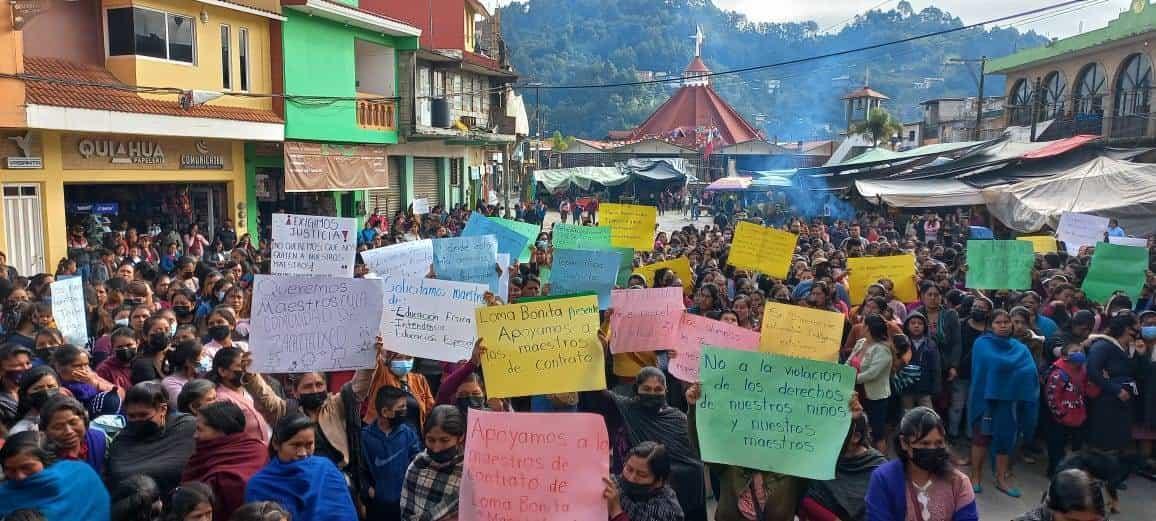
(982, 61)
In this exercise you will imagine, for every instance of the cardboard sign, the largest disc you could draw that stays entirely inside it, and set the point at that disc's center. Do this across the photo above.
(1040, 243)
(420, 206)
(68, 310)
(773, 413)
(542, 347)
(801, 332)
(527, 230)
(680, 266)
(430, 318)
(1116, 268)
(1138, 242)
(574, 237)
(1079, 229)
(313, 245)
(631, 226)
(412, 258)
(534, 466)
(762, 249)
(999, 264)
(468, 259)
(575, 271)
(645, 319)
(866, 271)
(695, 331)
(509, 241)
(314, 323)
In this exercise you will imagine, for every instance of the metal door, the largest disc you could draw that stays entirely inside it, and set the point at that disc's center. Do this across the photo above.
(24, 228)
(388, 200)
(204, 204)
(425, 180)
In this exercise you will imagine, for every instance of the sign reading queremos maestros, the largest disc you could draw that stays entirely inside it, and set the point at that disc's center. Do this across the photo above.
(109, 152)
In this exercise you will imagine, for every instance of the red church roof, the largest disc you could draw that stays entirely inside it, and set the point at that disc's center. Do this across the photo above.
(866, 92)
(691, 114)
(697, 65)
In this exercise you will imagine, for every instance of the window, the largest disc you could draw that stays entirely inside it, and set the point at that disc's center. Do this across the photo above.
(155, 34)
(243, 54)
(1090, 89)
(1055, 90)
(1021, 103)
(226, 61)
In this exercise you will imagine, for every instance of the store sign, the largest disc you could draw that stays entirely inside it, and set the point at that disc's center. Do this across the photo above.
(21, 151)
(322, 167)
(96, 152)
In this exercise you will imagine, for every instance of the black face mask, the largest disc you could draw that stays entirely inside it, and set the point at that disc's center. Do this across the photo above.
(471, 402)
(125, 354)
(158, 342)
(142, 428)
(934, 461)
(37, 399)
(444, 456)
(312, 401)
(979, 315)
(652, 402)
(182, 311)
(634, 490)
(237, 379)
(218, 333)
(45, 353)
(398, 419)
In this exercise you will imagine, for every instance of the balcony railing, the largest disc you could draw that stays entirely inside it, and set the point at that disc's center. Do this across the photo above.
(374, 113)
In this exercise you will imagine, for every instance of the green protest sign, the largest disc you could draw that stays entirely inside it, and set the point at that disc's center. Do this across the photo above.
(772, 412)
(999, 264)
(626, 267)
(527, 230)
(574, 237)
(1116, 268)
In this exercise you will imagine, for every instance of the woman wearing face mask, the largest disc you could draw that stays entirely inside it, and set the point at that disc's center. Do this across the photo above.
(156, 440)
(842, 497)
(20, 325)
(308, 486)
(225, 457)
(1113, 368)
(65, 423)
(433, 479)
(186, 362)
(973, 327)
(219, 327)
(47, 341)
(1003, 403)
(153, 341)
(396, 370)
(183, 306)
(921, 483)
(58, 490)
(98, 396)
(230, 373)
(388, 444)
(641, 491)
(37, 386)
(1073, 495)
(118, 367)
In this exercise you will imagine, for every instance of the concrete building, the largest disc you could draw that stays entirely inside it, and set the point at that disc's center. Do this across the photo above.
(952, 120)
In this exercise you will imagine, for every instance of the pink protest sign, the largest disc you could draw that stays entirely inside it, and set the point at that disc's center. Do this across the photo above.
(694, 331)
(534, 466)
(644, 319)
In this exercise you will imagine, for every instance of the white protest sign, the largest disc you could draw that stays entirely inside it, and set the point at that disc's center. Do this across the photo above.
(313, 245)
(68, 310)
(1078, 229)
(504, 280)
(431, 318)
(408, 258)
(314, 323)
(420, 206)
(1129, 241)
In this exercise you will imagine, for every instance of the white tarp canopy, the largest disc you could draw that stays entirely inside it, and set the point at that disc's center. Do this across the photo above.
(919, 193)
(1102, 186)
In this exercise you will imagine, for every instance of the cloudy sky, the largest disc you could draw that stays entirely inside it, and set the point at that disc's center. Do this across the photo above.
(831, 13)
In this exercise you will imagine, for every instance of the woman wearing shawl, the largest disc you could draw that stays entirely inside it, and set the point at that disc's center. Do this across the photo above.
(309, 487)
(65, 424)
(58, 490)
(1004, 400)
(943, 327)
(230, 371)
(843, 497)
(433, 479)
(1112, 370)
(642, 492)
(156, 440)
(225, 456)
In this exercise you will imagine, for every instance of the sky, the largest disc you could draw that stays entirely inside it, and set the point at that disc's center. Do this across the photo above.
(831, 13)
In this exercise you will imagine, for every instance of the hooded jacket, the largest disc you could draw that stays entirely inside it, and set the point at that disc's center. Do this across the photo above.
(925, 354)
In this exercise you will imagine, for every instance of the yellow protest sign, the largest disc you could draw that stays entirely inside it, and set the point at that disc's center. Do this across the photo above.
(631, 225)
(866, 271)
(1040, 243)
(680, 267)
(542, 347)
(801, 332)
(762, 249)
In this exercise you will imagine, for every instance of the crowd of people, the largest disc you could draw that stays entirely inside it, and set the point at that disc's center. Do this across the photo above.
(160, 415)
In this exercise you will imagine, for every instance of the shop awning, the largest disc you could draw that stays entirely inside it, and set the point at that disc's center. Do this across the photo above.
(769, 182)
(730, 184)
(325, 167)
(582, 176)
(672, 169)
(926, 193)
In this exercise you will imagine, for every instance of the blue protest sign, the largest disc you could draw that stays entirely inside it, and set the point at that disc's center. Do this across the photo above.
(576, 271)
(509, 241)
(467, 259)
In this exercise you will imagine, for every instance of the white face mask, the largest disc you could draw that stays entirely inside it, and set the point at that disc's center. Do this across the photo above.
(121, 322)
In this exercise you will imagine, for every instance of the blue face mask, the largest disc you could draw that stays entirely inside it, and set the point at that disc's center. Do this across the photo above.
(1148, 332)
(400, 367)
(1078, 357)
(204, 366)
(172, 330)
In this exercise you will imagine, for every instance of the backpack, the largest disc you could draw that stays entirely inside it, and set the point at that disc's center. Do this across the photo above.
(1076, 415)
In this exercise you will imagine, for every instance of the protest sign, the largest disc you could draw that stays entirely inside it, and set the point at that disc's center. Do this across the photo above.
(430, 318)
(527, 230)
(542, 347)
(313, 245)
(509, 241)
(575, 271)
(504, 280)
(314, 323)
(631, 225)
(774, 413)
(1138, 242)
(865, 271)
(467, 259)
(420, 206)
(1040, 243)
(680, 267)
(625, 265)
(68, 310)
(644, 319)
(762, 249)
(534, 466)
(412, 258)
(1079, 229)
(574, 237)
(1116, 268)
(694, 331)
(999, 264)
(801, 332)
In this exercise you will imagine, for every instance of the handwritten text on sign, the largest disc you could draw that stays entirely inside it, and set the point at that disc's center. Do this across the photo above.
(542, 347)
(694, 331)
(467, 259)
(762, 249)
(999, 264)
(314, 323)
(408, 258)
(774, 413)
(900, 269)
(644, 319)
(313, 245)
(68, 310)
(631, 226)
(431, 318)
(801, 332)
(574, 237)
(534, 466)
(579, 271)
(1079, 229)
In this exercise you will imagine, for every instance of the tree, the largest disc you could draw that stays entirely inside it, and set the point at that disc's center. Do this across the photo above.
(880, 125)
(559, 144)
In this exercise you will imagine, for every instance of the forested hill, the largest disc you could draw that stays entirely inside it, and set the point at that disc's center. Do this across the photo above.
(559, 42)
